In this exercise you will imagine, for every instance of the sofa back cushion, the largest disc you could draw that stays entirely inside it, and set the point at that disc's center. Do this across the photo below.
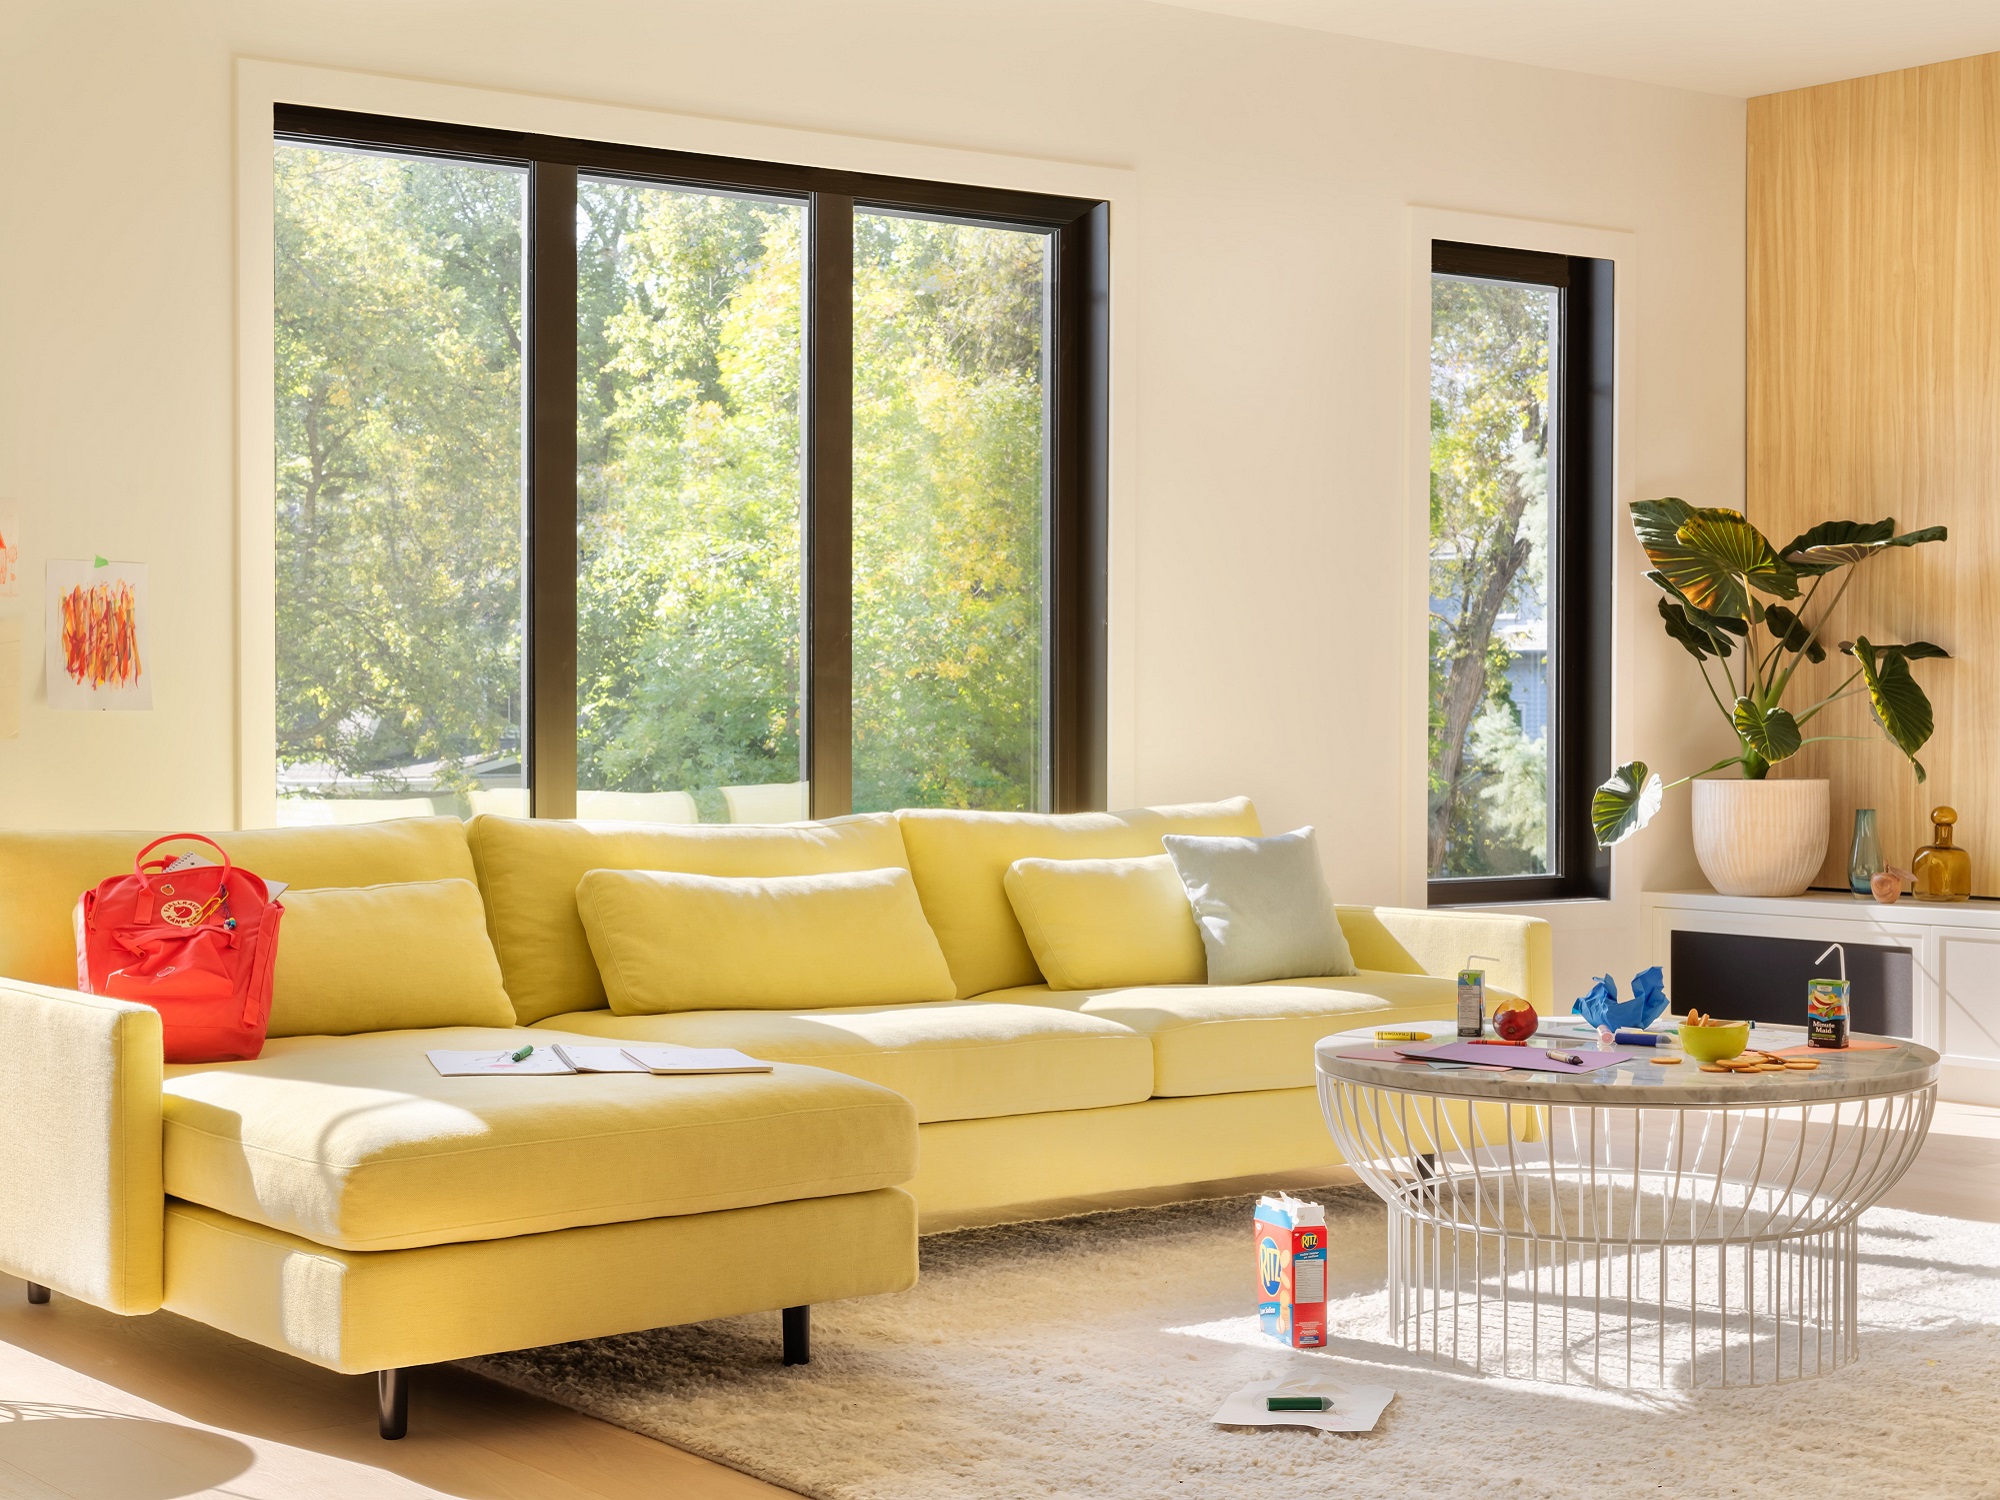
(385, 958)
(1097, 924)
(960, 860)
(42, 874)
(667, 941)
(529, 870)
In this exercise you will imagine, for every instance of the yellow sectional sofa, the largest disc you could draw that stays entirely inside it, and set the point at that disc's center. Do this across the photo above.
(338, 1200)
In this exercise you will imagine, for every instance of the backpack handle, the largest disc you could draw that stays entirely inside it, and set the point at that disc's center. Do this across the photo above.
(139, 863)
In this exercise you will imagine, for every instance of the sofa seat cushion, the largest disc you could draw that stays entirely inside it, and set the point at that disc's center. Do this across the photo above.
(952, 1059)
(356, 1142)
(1232, 1038)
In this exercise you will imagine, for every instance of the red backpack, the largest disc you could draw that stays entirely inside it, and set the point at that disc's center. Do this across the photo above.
(197, 944)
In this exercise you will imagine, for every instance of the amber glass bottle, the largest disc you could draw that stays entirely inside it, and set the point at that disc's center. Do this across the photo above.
(1943, 871)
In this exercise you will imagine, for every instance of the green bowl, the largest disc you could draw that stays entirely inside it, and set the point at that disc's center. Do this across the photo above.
(1715, 1043)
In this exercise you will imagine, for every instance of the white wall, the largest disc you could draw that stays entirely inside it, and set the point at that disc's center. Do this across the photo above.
(1262, 566)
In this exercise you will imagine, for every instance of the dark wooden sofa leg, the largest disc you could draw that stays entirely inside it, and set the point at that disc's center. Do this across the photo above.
(798, 1335)
(392, 1401)
(37, 1293)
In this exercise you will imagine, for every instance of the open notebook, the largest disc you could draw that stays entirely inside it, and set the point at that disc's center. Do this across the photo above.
(559, 1057)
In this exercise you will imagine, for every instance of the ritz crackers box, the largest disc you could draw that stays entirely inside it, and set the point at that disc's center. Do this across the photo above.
(1291, 1270)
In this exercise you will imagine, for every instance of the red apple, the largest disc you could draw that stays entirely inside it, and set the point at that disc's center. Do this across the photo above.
(1515, 1020)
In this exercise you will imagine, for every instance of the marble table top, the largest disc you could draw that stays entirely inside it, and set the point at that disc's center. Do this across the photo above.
(1641, 1083)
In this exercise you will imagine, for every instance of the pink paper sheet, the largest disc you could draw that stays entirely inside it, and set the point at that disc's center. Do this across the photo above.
(1533, 1059)
(1378, 1054)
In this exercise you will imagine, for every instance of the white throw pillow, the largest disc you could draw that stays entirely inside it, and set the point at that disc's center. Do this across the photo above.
(1262, 905)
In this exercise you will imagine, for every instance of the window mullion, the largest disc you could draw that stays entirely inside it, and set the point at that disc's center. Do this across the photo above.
(1078, 519)
(551, 502)
(829, 504)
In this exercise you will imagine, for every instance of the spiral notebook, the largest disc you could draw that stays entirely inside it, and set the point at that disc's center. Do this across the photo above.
(556, 1058)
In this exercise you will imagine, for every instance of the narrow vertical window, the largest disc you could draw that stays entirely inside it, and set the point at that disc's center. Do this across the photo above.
(1519, 397)
(950, 519)
(400, 624)
(689, 504)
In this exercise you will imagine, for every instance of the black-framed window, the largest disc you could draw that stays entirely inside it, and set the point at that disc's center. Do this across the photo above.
(1520, 572)
(620, 482)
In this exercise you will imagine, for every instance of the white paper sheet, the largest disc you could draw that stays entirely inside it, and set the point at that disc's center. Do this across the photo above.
(490, 1062)
(113, 599)
(10, 550)
(10, 679)
(1356, 1408)
(273, 889)
(695, 1060)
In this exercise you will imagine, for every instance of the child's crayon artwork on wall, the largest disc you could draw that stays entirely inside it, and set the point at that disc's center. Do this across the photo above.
(98, 649)
(10, 551)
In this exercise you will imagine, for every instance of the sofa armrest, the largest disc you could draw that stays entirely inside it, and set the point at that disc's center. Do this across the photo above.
(1519, 953)
(82, 1198)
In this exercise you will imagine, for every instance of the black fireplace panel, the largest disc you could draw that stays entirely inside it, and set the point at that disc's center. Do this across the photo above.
(1747, 978)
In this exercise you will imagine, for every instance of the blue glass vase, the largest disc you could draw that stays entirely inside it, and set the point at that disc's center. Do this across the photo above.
(1864, 859)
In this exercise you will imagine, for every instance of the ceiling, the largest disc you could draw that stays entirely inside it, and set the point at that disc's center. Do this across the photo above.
(1738, 47)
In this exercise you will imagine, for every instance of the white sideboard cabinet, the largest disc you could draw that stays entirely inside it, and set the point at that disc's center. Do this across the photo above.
(1926, 970)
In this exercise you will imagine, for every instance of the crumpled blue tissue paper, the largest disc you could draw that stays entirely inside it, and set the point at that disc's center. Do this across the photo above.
(1602, 1007)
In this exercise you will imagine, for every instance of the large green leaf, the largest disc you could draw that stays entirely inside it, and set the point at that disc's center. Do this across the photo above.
(1657, 523)
(1699, 643)
(1792, 632)
(1714, 630)
(1771, 732)
(1624, 804)
(1725, 537)
(1804, 554)
(1917, 538)
(1701, 619)
(1830, 555)
(1839, 544)
(1716, 558)
(1901, 707)
(1914, 651)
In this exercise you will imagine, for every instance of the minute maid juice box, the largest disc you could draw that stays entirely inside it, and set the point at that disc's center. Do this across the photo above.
(1471, 1002)
(1826, 1012)
(1291, 1270)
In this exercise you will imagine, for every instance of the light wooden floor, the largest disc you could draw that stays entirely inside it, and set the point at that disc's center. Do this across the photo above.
(96, 1407)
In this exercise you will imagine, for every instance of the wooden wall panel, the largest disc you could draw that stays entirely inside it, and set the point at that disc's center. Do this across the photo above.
(1874, 390)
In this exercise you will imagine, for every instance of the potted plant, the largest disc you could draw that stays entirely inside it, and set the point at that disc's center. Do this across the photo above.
(1727, 598)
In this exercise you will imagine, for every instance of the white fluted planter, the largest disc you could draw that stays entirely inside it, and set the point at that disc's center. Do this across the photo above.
(1760, 838)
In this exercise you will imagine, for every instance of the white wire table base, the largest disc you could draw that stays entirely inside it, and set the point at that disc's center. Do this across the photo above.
(1621, 1244)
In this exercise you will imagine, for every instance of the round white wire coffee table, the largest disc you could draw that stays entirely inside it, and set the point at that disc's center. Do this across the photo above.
(1645, 1225)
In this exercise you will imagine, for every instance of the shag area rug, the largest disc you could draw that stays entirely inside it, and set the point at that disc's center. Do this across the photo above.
(1085, 1356)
